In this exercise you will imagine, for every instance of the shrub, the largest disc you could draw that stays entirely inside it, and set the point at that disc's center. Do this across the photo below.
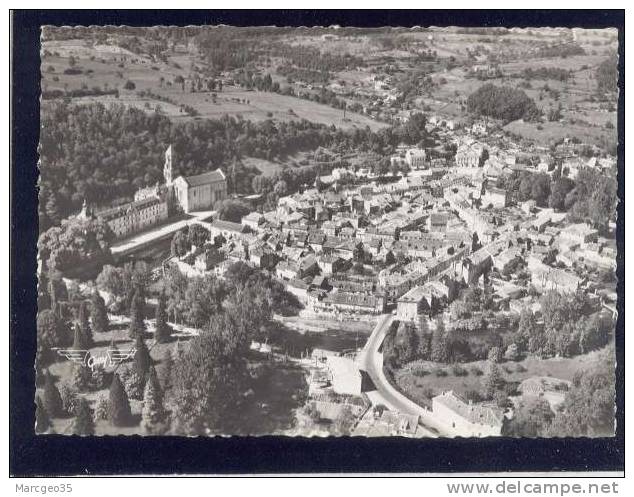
(476, 371)
(419, 371)
(101, 408)
(473, 396)
(520, 368)
(132, 382)
(69, 398)
(429, 393)
(458, 370)
(441, 373)
(129, 85)
(99, 378)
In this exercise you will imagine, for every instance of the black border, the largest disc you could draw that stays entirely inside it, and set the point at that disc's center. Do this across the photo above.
(64, 456)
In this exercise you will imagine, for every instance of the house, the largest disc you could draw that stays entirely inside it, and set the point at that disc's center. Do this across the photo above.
(470, 155)
(466, 419)
(351, 302)
(479, 128)
(418, 301)
(477, 264)
(507, 259)
(415, 158)
(298, 288)
(330, 264)
(200, 192)
(545, 278)
(437, 221)
(253, 220)
(208, 259)
(227, 229)
(578, 234)
(261, 258)
(133, 217)
(552, 390)
(496, 197)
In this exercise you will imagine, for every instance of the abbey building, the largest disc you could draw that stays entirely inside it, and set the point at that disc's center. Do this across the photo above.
(155, 204)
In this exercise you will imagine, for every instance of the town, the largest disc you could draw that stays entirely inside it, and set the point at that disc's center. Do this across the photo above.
(459, 282)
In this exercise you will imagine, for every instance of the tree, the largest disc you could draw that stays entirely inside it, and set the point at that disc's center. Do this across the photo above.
(42, 420)
(163, 330)
(358, 253)
(439, 343)
(137, 315)
(69, 398)
(344, 422)
(43, 297)
(203, 297)
(540, 189)
(51, 332)
(531, 418)
(165, 370)
(180, 244)
(52, 398)
(607, 76)
(527, 328)
(492, 380)
(502, 102)
(142, 360)
(98, 313)
(84, 325)
(197, 235)
(79, 340)
(424, 339)
(84, 424)
(594, 333)
(207, 382)
(81, 378)
(495, 354)
(232, 210)
(559, 190)
(153, 415)
(118, 404)
(588, 409)
(407, 342)
(512, 353)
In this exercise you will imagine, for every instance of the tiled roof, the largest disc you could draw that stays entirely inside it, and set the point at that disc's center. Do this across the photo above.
(205, 178)
(474, 413)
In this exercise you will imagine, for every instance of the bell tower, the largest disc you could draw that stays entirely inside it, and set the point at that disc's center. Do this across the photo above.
(167, 168)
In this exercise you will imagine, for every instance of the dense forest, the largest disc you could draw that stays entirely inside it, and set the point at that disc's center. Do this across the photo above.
(607, 76)
(502, 102)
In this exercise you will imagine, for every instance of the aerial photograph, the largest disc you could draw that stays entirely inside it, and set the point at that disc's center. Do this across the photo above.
(327, 231)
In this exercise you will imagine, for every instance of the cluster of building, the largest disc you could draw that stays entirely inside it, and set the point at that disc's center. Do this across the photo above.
(154, 205)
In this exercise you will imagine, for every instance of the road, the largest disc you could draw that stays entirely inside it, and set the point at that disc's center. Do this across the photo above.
(370, 360)
(136, 242)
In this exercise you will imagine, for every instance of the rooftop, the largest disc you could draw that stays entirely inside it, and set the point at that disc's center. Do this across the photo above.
(205, 178)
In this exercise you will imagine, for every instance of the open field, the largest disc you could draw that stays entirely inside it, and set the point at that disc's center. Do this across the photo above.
(266, 167)
(552, 132)
(107, 70)
(417, 387)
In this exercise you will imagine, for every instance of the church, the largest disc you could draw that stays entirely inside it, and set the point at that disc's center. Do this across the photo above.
(155, 204)
(195, 193)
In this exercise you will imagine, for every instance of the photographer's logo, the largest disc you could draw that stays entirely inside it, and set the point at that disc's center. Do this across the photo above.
(108, 358)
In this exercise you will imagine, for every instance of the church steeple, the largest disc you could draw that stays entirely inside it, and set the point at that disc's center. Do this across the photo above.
(167, 168)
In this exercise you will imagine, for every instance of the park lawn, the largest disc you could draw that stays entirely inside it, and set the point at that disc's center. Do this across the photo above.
(552, 132)
(422, 388)
(266, 167)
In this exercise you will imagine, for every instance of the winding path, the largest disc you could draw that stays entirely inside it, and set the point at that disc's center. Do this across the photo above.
(370, 360)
